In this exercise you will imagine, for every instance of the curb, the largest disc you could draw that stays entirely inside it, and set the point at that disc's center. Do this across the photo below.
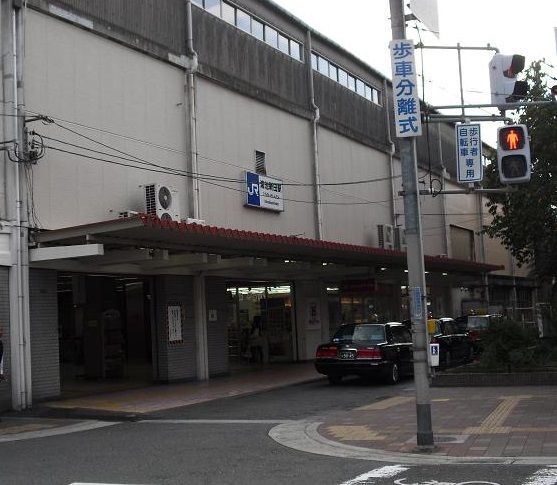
(303, 436)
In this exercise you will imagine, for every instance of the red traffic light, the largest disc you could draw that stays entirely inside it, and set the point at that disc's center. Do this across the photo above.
(512, 138)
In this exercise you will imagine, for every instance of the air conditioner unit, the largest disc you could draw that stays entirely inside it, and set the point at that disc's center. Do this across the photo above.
(162, 201)
(385, 235)
(400, 238)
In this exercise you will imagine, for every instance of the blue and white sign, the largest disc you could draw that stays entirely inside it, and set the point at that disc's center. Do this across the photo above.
(417, 303)
(264, 192)
(408, 117)
(433, 355)
(469, 153)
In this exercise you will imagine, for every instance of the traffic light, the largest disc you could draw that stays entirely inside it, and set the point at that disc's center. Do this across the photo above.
(513, 154)
(502, 79)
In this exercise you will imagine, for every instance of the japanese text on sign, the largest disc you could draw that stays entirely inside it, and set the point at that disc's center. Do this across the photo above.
(408, 120)
(174, 314)
(469, 153)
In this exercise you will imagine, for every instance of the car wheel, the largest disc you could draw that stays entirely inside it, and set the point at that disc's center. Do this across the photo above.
(394, 374)
(334, 379)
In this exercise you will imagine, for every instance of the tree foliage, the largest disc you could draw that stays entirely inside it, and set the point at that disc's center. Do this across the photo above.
(526, 220)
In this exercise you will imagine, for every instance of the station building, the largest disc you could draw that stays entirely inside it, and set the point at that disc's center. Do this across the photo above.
(176, 169)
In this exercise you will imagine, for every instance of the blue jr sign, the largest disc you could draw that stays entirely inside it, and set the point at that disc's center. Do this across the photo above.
(264, 192)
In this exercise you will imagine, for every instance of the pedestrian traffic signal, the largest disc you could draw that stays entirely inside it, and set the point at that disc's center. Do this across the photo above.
(513, 154)
(503, 70)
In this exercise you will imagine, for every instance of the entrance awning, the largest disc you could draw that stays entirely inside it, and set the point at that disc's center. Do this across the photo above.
(150, 242)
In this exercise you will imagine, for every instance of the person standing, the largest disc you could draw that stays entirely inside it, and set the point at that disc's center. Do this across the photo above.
(256, 340)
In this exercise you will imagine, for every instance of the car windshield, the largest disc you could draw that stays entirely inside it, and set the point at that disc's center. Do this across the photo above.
(361, 333)
(475, 323)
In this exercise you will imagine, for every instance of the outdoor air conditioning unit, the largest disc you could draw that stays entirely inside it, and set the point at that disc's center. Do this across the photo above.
(400, 238)
(385, 235)
(162, 201)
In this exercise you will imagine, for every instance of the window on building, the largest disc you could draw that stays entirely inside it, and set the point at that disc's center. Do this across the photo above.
(283, 44)
(343, 77)
(260, 30)
(271, 36)
(351, 83)
(323, 66)
(368, 92)
(260, 166)
(360, 87)
(243, 21)
(333, 72)
(213, 6)
(336, 73)
(228, 13)
(314, 61)
(295, 50)
(257, 29)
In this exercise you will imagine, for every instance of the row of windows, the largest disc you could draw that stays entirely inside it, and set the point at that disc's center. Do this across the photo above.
(253, 26)
(293, 48)
(336, 73)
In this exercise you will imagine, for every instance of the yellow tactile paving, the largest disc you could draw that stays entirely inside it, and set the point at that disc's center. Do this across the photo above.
(387, 403)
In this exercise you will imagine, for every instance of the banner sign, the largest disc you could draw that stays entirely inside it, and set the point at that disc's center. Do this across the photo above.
(408, 116)
(469, 153)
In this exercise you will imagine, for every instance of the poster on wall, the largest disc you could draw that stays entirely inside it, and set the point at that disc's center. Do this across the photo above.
(314, 317)
(174, 313)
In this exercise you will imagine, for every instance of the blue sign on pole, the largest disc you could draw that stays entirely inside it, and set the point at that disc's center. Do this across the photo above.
(417, 304)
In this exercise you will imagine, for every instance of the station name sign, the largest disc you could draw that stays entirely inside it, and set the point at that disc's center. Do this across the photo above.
(264, 192)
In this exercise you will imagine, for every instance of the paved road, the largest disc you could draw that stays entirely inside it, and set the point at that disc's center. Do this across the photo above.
(271, 437)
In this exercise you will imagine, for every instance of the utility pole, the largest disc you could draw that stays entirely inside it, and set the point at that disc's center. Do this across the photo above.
(415, 258)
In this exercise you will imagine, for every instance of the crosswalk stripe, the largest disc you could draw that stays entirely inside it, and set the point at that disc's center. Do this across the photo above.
(383, 472)
(546, 476)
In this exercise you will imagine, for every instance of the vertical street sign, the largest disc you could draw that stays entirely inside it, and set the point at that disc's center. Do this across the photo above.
(408, 121)
(417, 302)
(469, 153)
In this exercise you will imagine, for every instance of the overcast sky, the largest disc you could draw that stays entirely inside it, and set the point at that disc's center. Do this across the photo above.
(512, 26)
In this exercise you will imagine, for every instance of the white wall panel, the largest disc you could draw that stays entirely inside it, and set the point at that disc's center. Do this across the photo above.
(131, 103)
(352, 212)
(230, 128)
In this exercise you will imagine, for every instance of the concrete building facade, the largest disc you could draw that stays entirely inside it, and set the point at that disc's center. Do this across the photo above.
(175, 168)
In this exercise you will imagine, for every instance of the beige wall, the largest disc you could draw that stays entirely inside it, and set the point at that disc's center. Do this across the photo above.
(112, 95)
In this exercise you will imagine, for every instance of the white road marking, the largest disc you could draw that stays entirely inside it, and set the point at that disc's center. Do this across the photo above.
(383, 472)
(546, 476)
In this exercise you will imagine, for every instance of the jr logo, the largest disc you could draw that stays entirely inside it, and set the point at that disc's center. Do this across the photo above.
(253, 189)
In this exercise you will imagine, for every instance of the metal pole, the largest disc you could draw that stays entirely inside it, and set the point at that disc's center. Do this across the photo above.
(415, 257)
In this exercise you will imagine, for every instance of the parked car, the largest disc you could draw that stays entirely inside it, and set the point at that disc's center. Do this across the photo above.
(476, 325)
(455, 345)
(367, 350)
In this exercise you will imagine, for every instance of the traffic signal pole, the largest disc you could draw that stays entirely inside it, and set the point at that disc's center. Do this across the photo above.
(415, 262)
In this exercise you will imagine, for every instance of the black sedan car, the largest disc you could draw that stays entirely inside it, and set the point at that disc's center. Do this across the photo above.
(367, 350)
(455, 344)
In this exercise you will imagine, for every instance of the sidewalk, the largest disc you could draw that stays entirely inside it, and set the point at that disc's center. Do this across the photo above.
(466, 421)
(474, 423)
(133, 404)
